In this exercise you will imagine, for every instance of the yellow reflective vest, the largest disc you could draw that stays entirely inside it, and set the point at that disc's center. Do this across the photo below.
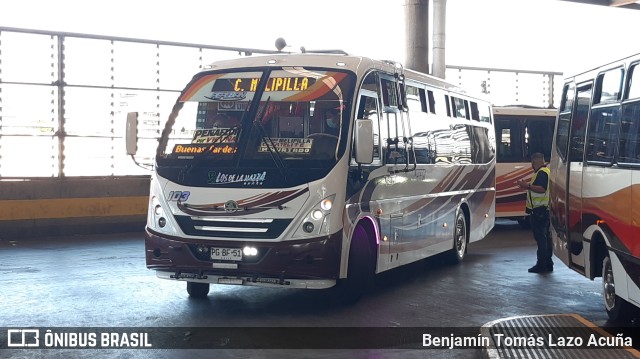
(535, 199)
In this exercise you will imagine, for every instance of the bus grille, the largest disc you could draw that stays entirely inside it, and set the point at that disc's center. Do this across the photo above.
(230, 227)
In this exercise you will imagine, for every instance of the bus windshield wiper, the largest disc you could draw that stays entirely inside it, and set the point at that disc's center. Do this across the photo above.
(268, 141)
(226, 134)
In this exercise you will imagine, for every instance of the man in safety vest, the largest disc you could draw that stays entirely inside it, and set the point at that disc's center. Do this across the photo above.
(538, 210)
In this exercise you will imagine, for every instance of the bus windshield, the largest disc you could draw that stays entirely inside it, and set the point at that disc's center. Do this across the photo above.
(229, 125)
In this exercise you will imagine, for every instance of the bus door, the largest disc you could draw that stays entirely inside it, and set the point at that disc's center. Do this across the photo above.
(512, 165)
(629, 157)
(360, 175)
(577, 134)
(559, 172)
(393, 158)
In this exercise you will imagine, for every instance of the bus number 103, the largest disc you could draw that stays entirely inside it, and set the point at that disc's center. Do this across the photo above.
(178, 196)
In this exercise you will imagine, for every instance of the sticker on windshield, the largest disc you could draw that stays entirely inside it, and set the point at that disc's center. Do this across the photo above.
(188, 151)
(288, 145)
(216, 135)
(227, 96)
(228, 178)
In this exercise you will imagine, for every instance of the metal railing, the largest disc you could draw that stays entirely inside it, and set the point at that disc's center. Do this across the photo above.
(64, 97)
(509, 86)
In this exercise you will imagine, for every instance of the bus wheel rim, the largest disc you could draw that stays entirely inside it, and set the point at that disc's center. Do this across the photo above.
(461, 238)
(609, 287)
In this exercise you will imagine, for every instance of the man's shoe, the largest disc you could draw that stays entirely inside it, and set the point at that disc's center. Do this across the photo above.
(535, 269)
(540, 269)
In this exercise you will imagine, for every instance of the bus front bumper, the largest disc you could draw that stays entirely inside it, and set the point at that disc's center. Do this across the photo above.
(312, 263)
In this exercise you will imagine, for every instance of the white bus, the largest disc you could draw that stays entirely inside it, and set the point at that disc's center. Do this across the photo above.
(520, 132)
(595, 178)
(311, 170)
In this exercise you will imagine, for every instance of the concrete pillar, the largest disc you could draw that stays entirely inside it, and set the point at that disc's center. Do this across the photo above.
(416, 13)
(439, 30)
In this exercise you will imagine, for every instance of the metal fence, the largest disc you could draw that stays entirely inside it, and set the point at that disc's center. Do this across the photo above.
(64, 97)
(506, 87)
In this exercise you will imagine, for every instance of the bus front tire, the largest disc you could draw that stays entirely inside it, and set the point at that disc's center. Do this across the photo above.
(198, 290)
(616, 307)
(360, 273)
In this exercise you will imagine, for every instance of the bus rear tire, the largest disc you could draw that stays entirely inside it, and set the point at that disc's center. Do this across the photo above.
(460, 239)
(616, 307)
(197, 290)
(360, 273)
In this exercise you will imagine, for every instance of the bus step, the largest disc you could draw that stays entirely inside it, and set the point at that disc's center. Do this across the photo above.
(555, 336)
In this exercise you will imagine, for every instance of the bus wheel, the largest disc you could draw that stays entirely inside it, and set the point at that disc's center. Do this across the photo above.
(360, 272)
(459, 239)
(617, 308)
(197, 290)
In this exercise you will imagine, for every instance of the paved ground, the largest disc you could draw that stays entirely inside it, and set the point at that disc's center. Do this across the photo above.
(102, 281)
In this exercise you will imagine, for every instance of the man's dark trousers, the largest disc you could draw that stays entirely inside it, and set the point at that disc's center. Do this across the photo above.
(542, 235)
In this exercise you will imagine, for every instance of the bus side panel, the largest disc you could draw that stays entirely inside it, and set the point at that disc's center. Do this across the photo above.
(415, 211)
(511, 200)
(482, 207)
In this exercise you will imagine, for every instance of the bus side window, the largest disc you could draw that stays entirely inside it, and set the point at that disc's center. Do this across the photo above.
(392, 145)
(432, 102)
(633, 85)
(579, 124)
(564, 119)
(460, 108)
(484, 112)
(538, 137)
(629, 146)
(603, 134)
(421, 127)
(389, 94)
(509, 137)
(423, 100)
(603, 124)
(446, 100)
(475, 114)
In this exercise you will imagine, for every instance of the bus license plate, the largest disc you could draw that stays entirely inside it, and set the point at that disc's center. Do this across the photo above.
(226, 254)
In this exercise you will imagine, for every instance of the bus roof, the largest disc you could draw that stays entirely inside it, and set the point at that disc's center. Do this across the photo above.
(357, 64)
(598, 68)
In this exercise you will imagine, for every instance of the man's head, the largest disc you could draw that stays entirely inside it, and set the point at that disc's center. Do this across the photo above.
(332, 119)
(537, 161)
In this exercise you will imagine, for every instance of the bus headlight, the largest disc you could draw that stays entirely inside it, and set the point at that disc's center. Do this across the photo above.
(308, 227)
(158, 219)
(250, 251)
(316, 219)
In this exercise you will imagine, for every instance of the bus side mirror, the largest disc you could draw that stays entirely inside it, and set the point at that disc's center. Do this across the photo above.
(363, 141)
(131, 133)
